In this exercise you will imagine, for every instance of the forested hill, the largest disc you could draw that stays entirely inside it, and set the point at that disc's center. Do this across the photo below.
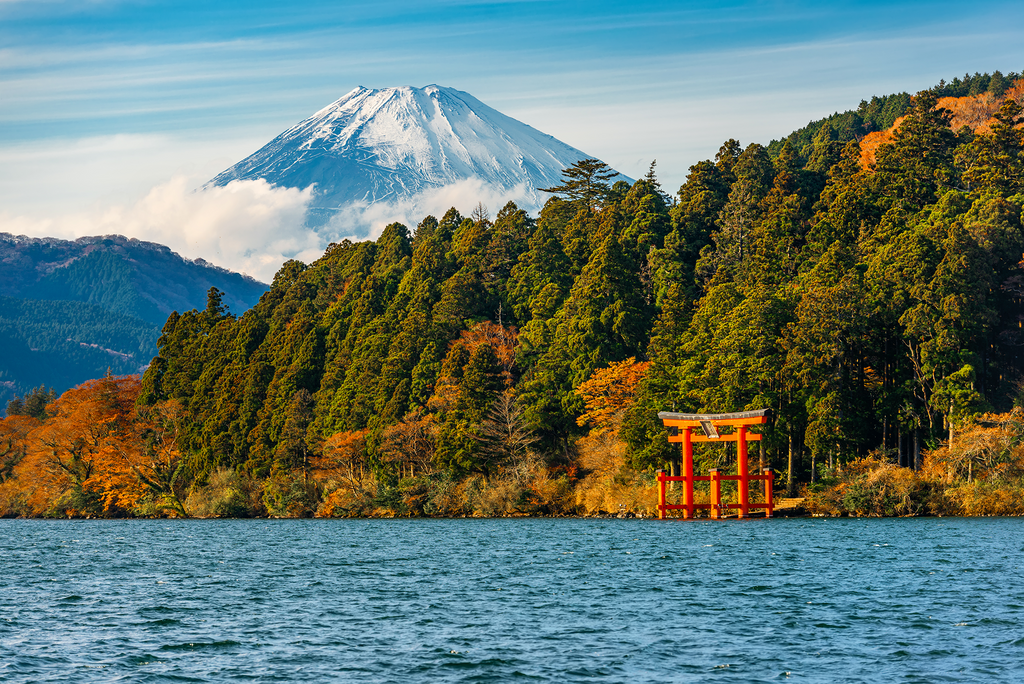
(58, 344)
(71, 310)
(123, 275)
(881, 112)
(861, 304)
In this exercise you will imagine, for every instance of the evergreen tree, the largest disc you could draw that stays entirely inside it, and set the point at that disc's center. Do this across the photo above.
(754, 173)
(543, 265)
(846, 206)
(604, 319)
(996, 161)
(481, 383)
(998, 84)
(826, 150)
(38, 399)
(919, 162)
(292, 451)
(215, 307)
(15, 406)
(585, 183)
(701, 200)
(509, 238)
(580, 238)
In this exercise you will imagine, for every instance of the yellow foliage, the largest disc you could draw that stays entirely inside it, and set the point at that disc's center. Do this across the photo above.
(990, 447)
(981, 474)
(610, 487)
(984, 498)
(226, 495)
(872, 487)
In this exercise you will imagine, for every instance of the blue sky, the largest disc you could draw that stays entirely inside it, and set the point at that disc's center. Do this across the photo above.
(103, 100)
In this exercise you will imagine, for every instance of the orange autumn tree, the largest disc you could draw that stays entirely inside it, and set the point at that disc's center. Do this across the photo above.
(410, 443)
(340, 471)
(343, 460)
(608, 392)
(14, 431)
(96, 455)
(74, 463)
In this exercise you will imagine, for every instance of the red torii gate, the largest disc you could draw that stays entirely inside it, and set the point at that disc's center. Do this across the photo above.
(680, 427)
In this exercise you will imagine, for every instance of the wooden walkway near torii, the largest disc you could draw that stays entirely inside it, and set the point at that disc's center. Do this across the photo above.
(681, 429)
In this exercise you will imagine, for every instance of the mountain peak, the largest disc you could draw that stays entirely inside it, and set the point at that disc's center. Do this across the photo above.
(379, 145)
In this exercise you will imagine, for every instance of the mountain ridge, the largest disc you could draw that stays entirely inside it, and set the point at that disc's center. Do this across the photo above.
(163, 280)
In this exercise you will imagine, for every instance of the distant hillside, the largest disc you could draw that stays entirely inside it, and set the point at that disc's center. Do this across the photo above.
(60, 344)
(971, 111)
(69, 310)
(880, 113)
(123, 275)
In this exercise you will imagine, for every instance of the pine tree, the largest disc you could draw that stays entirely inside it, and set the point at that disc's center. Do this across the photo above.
(585, 183)
(292, 450)
(215, 307)
(35, 402)
(16, 406)
(509, 238)
(542, 266)
(754, 173)
(701, 199)
(846, 206)
(998, 84)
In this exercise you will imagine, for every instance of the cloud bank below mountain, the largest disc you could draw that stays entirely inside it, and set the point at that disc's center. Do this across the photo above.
(252, 226)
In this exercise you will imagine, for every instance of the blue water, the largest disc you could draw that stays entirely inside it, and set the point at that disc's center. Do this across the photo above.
(804, 600)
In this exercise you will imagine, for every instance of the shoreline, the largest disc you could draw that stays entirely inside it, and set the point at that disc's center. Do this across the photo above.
(816, 516)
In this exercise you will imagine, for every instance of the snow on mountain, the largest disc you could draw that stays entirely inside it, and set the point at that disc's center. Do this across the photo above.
(390, 144)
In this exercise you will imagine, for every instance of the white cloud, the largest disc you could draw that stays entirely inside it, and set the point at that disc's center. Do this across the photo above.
(246, 226)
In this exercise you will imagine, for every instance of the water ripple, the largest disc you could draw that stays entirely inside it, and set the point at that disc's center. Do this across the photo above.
(816, 600)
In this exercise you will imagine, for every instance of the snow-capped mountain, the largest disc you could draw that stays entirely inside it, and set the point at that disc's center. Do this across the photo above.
(389, 144)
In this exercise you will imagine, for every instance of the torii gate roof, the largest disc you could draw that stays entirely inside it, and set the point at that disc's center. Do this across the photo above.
(694, 419)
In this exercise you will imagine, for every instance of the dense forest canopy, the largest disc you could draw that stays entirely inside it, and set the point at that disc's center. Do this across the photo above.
(861, 304)
(62, 343)
(874, 309)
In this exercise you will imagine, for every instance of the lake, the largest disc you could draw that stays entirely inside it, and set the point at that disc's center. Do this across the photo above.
(506, 600)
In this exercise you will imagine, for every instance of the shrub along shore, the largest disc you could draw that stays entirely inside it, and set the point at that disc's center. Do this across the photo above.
(99, 455)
